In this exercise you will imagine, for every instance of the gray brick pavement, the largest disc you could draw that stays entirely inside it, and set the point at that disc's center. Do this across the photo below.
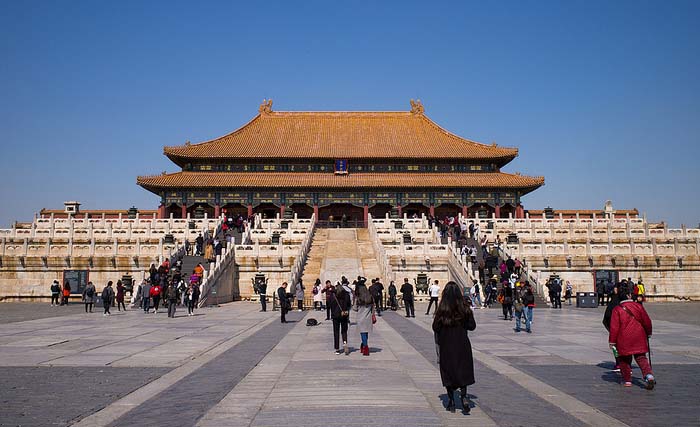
(45, 396)
(506, 402)
(189, 399)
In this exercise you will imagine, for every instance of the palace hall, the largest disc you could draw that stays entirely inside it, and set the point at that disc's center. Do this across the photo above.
(341, 164)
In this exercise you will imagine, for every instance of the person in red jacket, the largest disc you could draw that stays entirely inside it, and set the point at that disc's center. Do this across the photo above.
(630, 329)
(155, 297)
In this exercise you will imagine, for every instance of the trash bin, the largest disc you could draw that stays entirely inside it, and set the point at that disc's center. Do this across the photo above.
(586, 300)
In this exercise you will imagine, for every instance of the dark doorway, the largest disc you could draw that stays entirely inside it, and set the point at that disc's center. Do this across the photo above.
(302, 210)
(481, 209)
(341, 215)
(506, 210)
(234, 209)
(267, 210)
(380, 210)
(204, 208)
(605, 277)
(415, 209)
(447, 209)
(175, 210)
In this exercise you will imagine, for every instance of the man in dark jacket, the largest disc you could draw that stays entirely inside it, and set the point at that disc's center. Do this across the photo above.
(283, 298)
(262, 292)
(171, 296)
(556, 293)
(55, 292)
(376, 290)
(407, 292)
(107, 297)
(145, 291)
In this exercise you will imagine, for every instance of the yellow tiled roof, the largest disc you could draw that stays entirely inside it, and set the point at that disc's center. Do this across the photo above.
(487, 180)
(341, 135)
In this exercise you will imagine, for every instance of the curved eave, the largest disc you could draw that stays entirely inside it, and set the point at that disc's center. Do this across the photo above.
(191, 153)
(321, 180)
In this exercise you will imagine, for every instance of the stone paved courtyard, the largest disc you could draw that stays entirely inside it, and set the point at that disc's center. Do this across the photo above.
(235, 366)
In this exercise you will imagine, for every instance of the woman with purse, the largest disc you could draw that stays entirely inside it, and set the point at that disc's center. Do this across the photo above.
(364, 306)
(340, 313)
(453, 319)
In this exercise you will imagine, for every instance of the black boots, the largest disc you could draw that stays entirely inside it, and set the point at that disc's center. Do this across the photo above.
(450, 400)
(465, 402)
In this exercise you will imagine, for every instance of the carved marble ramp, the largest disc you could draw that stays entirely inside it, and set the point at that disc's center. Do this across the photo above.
(345, 255)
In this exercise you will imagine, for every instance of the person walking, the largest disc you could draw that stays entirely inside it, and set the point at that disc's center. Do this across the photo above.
(527, 299)
(376, 290)
(568, 292)
(506, 300)
(630, 329)
(146, 296)
(407, 295)
(556, 293)
(88, 297)
(451, 325)
(329, 290)
(107, 298)
(171, 296)
(613, 301)
(189, 299)
(364, 306)
(434, 292)
(283, 298)
(155, 296)
(300, 296)
(55, 293)
(120, 296)
(340, 313)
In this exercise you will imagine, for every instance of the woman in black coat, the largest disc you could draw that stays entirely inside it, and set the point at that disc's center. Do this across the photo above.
(453, 319)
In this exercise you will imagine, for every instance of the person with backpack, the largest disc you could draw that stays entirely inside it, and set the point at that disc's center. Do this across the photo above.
(155, 296)
(340, 313)
(568, 293)
(630, 329)
(55, 292)
(171, 296)
(107, 298)
(89, 297)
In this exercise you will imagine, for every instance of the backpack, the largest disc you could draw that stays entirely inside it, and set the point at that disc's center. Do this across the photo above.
(314, 291)
(90, 292)
(105, 294)
(311, 322)
(640, 289)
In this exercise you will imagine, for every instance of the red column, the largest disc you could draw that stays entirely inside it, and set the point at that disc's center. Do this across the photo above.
(250, 209)
(400, 211)
(365, 214)
(217, 211)
(282, 210)
(161, 211)
(519, 211)
(465, 210)
(498, 211)
(432, 210)
(316, 213)
(184, 210)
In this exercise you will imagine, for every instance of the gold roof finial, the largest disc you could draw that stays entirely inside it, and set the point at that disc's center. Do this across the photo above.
(417, 107)
(265, 107)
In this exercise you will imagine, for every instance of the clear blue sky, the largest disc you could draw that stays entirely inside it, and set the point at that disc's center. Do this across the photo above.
(601, 97)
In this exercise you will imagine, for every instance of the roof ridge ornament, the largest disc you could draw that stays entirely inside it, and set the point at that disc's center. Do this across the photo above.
(417, 107)
(265, 107)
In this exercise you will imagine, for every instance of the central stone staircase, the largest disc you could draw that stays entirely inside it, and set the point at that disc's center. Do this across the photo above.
(337, 252)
